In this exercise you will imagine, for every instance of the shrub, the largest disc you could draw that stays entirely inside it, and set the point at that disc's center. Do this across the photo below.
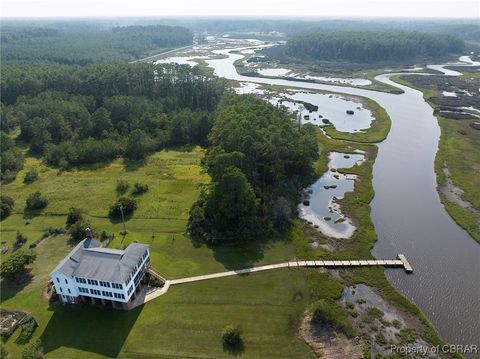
(31, 176)
(153, 281)
(122, 187)
(397, 324)
(20, 240)
(128, 205)
(16, 264)
(33, 350)
(104, 236)
(380, 339)
(406, 335)
(27, 328)
(36, 201)
(6, 206)
(139, 188)
(330, 314)
(232, 337)
(74, 215)
(375, 312)
(52, 231)
(77, 230)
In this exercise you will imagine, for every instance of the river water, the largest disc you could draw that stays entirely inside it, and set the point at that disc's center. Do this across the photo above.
(406, 211)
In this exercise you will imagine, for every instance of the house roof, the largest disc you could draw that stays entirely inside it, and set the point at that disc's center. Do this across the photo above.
(89, 260)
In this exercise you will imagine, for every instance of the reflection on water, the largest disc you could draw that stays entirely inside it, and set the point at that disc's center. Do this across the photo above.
(334, 108)
(322, 209)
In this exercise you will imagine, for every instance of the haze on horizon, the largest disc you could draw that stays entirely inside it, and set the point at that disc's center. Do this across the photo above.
(294, 8)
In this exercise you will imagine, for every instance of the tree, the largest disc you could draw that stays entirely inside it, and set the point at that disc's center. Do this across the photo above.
(74, 215)
(139, 145)
(125, 204)
(36, 201)
(16, 264)
(77, 230)
(31, 176)
(6, 206)
(232, 337)
(282, 213)
(231, 209)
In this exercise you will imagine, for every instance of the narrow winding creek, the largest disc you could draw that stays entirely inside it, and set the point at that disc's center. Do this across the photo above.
(407, 213)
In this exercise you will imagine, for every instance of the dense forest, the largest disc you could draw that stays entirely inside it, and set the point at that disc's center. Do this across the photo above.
(83, 45)
(74, 115)
(368, 46)
(258, 160)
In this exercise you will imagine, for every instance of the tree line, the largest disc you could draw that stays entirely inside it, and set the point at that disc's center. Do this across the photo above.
(78, 46)
(258, 161)
(371, 46)
(74, 115)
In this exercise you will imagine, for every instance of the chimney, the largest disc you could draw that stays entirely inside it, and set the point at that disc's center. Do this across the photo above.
(88, 232)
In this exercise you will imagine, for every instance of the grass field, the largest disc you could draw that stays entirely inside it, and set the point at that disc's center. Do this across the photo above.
(188, 321)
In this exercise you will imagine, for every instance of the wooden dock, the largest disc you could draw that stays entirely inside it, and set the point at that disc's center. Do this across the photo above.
(401, 261)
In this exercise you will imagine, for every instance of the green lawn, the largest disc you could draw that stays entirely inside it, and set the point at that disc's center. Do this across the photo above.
(188, 320)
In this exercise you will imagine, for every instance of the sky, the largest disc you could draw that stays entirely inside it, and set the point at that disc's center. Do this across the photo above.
(311, 8)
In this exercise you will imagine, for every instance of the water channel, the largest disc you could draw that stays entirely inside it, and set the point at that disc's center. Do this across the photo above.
(406, 211)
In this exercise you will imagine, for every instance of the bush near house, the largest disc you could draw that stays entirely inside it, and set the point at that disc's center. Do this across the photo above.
(77, 230)
(74, 215)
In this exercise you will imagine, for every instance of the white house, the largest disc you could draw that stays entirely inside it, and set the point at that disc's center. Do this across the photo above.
(90, 273)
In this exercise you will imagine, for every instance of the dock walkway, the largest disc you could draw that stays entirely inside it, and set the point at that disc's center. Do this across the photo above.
(401, 261)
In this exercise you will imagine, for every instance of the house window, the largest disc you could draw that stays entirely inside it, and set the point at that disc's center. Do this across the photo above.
(66, 281)
(58, 280)
(61, 289)
(69, 292)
